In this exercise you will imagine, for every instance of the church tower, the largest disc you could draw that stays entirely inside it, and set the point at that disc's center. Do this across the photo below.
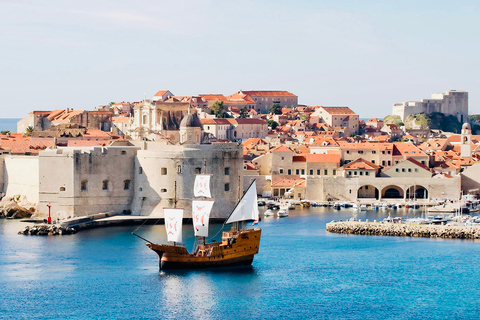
(466, 141)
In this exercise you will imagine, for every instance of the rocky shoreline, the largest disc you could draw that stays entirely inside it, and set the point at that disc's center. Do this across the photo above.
(46, 230)
(403, 230)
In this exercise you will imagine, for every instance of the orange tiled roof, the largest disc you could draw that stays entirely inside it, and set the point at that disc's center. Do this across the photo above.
(361, 163)
(268, 93)
(282, 149)
(160, 93)
(121, 119)
(339, 110)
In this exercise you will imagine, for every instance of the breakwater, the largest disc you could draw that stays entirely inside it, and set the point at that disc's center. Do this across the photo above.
(404, 230)
(46, 230)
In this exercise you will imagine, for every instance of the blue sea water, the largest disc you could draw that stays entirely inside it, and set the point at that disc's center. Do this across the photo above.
(9, 124)
(301, 272)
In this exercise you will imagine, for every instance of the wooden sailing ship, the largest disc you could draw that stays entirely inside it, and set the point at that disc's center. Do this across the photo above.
(238, 246)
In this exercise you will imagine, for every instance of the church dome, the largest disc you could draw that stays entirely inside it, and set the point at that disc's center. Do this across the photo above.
(190, 121)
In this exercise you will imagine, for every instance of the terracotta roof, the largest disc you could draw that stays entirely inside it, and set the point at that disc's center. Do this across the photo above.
(407, 149)
(268, 93)
(361, 164)
(87, 143)
(253, 142)
(121, 119)
(160, 93)
(418, 163)
(25, 145)
(213, 97)
(317, 158)
(339, 110)
(247, 121)
(250, 166)
(282, 149)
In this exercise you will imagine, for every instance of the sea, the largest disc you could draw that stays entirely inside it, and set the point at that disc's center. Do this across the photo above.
(9, 124)
(301, 272)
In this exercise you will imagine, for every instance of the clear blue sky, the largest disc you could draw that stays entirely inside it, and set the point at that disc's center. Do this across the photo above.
(363, 54)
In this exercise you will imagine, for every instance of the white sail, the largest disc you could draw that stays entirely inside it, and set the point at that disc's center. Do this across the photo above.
(202, 186)
(173, 224)
(200, 215)
(247, 208)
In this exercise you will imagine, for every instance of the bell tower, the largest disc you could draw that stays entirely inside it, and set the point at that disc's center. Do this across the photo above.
(466, 141)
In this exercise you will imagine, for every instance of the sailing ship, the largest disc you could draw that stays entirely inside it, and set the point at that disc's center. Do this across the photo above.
(238, 246)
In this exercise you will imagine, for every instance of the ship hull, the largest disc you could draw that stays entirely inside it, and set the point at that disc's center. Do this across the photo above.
(237, 248)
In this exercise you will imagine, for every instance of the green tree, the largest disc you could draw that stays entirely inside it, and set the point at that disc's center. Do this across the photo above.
(218, 109)
(111, 103)
(29, 130)
(275, 109)
(243, 113)
(272, 124)
(5, 132)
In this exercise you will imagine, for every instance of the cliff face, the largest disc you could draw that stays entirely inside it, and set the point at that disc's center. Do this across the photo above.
(435, 120)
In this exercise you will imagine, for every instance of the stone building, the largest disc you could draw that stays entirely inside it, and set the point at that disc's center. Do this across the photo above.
(451, 103)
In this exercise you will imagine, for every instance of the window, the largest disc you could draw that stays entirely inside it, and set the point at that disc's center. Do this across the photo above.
(303, 171)
(124, 152)
(126, 185)
(227, 186)
(360, 151)
(318, 172)
(311, 172)
(179, 168)
(366, 187)
(366, 173)
(374, 152)
(383, 152)
(281, 171)
(389, 162)
(361, 173)
(403, 169)
(373, 161)
(396, 170)
(164, 171)
(84, 185)
(423, 162)
(62, 188)
(283, 158)
(348, 151)
(140, 170)
(297, 172)
(355, 173)
(416, 170)
(198, 170)
(388, 151)
(349, 173)
(409, 169)
(383, 162)
(289, 171)
(325, 172)
(334, 172)
(105, 184)
(163, 190)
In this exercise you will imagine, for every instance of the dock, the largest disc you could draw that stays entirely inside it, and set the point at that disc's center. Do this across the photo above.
(404, 230)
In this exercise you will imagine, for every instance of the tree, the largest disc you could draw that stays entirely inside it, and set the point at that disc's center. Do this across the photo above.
(30, 129)
(243, 113)
(218, 109)
(5, 132)
(275, 109)
(272, 124)
(111, 103)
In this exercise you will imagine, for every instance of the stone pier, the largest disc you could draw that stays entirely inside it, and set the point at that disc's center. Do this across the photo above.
(404, 230)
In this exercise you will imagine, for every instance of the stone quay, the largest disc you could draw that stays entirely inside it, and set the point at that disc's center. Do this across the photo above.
(404, 230)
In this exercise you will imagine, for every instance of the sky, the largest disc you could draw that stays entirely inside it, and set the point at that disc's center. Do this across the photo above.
(363, 54)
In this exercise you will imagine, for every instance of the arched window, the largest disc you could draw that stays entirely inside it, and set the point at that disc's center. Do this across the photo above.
(62, 188)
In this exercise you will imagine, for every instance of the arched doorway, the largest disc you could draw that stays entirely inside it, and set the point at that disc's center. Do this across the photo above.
(367, 191)
(417, 192)
(392, 192)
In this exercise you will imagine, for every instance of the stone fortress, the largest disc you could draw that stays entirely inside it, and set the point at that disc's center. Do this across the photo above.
(453, 102)
(137, 177)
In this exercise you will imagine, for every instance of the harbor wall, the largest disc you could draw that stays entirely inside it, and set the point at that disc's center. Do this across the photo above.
(21, 176)
(404, 230)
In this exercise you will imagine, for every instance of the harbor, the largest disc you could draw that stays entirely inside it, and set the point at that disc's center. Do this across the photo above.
(323, 274)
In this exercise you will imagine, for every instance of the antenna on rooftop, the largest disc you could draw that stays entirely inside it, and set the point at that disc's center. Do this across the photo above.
(145, 97)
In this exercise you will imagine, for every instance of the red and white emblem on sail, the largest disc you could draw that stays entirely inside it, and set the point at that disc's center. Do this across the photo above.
(202, 186)
(173, 224)
(200, 215)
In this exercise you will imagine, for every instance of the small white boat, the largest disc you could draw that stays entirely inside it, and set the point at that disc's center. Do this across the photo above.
(269, 213)
(282, 213)
(363, 207)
